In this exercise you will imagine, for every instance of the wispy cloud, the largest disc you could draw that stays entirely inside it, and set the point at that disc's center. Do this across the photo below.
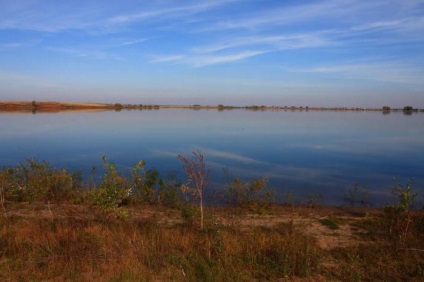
(207, 60)
(130, 42)
(173, 11)
(339, 11)
(385, 32)
(325, 37)
(317, 38)
(28, 80)
(11, 45)
(384, 24)
(271, 42)
(350, 19)
(17, 44)
(86, 53)
(386, 71)
(289, 15)
(200, 61)
(98, 51)
(43, 16)
(229, 156)
(211, 154)
(167, 58)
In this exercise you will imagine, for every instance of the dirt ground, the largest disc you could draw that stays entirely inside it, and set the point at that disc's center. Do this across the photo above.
(307, 220)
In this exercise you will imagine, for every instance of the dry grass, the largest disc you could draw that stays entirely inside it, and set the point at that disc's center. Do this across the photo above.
(85, 248)
(51, 107)
(75, 242)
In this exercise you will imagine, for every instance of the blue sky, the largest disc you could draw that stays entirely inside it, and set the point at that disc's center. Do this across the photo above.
(237, 52)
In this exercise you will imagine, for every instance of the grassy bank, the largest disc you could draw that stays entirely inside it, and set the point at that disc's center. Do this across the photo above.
(54, 226)
(77, 243)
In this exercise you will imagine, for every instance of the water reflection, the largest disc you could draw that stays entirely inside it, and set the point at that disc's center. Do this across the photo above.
(303, 152)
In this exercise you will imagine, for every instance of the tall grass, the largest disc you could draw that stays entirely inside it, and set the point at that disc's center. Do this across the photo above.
(44, 249)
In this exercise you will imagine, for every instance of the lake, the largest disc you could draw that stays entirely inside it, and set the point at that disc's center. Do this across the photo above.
(304, 152)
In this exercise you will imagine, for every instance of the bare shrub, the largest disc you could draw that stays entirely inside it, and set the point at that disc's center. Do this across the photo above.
(198, 177)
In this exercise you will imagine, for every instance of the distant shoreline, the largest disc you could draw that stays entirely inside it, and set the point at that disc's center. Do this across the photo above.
(53, 107)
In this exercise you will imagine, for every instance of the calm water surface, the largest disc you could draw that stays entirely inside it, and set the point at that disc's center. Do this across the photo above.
(300, 152)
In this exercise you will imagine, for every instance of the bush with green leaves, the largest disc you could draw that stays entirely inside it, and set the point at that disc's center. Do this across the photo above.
(397, 218)
(37, 181)
(113, 190)
(145, 184)
(170, 193)
(148, 186)
(251, 194)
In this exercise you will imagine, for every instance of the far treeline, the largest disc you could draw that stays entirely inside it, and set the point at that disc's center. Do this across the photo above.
(42, 106)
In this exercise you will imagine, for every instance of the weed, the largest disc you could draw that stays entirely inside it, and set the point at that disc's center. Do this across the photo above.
(356, 195)
(332, 224)
(289, 199)
(313, 200)
(377, 262)
(398, 217)
(2, 196)
(253, 195)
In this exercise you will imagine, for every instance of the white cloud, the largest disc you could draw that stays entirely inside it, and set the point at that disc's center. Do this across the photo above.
(289, 15)
(339, 11)
(200, 61)
(379, 71)
(211, 154)
(230, 156)
(130, 42)
(206, 60)
(167, 58)
(177, 10)
(275, 42)
(401, 30)
(44, 16)
(378, 25)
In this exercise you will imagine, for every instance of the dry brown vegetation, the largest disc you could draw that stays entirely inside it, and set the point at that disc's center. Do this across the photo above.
(78, 242)
(143, 228)
(36, 106)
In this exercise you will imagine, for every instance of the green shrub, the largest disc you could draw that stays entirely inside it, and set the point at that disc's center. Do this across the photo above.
(170, 195)
(37, 181)
(397, 218)
(248, 194)
(112, 191)
(146, 189)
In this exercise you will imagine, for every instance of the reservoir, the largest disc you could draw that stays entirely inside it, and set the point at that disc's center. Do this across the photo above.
(306, 153)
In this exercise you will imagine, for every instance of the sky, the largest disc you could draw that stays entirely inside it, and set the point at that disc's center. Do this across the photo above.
(356, 53)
